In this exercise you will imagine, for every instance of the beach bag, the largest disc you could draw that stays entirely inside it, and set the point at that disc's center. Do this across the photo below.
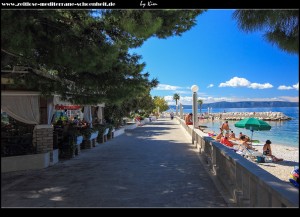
(294, 177)
(260, 159)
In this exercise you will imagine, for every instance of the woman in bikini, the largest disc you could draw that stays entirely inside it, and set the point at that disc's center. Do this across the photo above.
(268, 152)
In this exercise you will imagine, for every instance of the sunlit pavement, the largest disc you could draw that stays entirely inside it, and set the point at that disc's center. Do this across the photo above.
(151, 166)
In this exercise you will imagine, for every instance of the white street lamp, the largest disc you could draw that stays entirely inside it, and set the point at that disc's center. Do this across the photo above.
(194, 89)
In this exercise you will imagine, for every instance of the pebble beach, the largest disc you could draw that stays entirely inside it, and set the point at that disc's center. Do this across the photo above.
(283, 168)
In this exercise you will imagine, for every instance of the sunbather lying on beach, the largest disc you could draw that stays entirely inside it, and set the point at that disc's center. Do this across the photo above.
(268, 152)
(218, 138)
(224, 140)
(246, 144)
(232, 135)
(246, 137)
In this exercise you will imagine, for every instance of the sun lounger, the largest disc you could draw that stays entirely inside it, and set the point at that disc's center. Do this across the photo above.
(246, 152)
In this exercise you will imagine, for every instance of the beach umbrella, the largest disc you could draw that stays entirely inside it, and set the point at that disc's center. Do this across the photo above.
(253, 124)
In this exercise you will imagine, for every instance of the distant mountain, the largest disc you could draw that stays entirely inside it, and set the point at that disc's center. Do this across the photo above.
(250, 104)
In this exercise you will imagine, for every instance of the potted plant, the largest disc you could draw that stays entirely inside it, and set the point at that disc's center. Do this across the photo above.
(100, 128)
(67, 149)
(89, 134)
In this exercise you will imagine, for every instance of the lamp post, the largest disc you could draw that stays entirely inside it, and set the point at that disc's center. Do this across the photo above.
(194, 89)
(181, 111)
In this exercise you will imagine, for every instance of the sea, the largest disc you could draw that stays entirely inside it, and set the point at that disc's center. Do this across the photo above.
(282, 132)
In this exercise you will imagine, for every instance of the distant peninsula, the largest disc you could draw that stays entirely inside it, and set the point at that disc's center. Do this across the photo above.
(250, 104)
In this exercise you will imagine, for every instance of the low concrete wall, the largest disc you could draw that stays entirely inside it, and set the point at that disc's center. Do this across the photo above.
(153, 118)
(119, 132)
(248, 184)
(25, 162)
(131, 126)
(54, 157)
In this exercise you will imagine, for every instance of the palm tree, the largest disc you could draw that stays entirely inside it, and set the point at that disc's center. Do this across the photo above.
(176, 97)
(281, 27)
(200, 102)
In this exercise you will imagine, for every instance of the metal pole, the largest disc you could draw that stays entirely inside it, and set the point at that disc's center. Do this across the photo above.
(194, 115)
(195, 118)
(181, 111)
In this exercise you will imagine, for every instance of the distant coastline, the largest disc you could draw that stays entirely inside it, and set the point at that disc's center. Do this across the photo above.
(245, 104)
(250, 104)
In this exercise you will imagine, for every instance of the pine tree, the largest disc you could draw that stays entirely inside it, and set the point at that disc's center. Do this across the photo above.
(281, 27)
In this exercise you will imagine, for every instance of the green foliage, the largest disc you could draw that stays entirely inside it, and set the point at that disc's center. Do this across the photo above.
(141, 103)
(87, 132)
(161, 103)
(281, 27)
(200, 102)
(84, 58)
(73, 131)
(176, 97)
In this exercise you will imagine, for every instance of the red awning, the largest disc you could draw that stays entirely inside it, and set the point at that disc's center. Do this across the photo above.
(68, 107)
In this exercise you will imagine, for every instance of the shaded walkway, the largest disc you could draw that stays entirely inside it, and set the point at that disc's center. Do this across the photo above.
(151, 166)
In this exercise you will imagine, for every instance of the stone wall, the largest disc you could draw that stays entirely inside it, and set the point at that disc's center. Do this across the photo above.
(247, 184)
(43, 138)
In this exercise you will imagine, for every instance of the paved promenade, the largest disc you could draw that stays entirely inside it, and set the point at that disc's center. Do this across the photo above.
(151, 166)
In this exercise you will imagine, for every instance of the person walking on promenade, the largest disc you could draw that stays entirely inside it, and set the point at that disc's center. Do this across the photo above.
(172, 115)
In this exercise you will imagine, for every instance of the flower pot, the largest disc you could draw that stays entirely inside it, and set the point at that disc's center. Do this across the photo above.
(79, 140)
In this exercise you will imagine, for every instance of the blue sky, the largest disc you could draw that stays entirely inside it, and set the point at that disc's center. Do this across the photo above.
(226, 64)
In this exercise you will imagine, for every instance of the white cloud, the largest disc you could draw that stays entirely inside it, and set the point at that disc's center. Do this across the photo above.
(185, 100)
(209, 86)
(283, 87)
(183, 92)
(242, 82)
(296, 86)
(260, 86)
(169, 99)
(166, 87)
(236, 82)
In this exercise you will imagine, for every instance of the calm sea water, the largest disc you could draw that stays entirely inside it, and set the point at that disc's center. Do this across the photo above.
(282, 132)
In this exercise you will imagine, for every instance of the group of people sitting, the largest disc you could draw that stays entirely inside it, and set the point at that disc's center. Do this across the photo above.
(226, 134)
